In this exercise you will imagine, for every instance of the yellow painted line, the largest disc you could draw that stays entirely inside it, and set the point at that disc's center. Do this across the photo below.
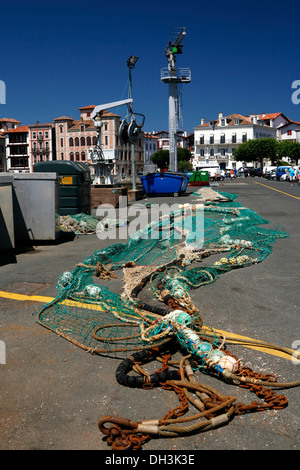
(269, 187)
(230, 337)
(46, 300)
(34, 298)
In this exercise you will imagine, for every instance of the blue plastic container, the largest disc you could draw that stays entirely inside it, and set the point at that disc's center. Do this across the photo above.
(164, 183)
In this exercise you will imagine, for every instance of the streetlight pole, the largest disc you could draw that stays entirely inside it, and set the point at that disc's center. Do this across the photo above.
(131, 63)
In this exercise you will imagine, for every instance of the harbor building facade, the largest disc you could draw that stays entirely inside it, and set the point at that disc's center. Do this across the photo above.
(74, 138)
(217, 140)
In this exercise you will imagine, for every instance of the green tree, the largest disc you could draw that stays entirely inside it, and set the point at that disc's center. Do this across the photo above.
(288, 149)
(258, 150)
(161, 158)
(183, 154)
(184, 165)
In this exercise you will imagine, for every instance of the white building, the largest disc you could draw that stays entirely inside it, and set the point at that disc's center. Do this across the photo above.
(5, 124)
(218, 139)
(163, 142)
(17, 150)
(150, 147)
(289, 131)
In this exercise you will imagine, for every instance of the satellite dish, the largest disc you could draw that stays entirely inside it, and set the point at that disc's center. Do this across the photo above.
(123, 132)
(133, 131)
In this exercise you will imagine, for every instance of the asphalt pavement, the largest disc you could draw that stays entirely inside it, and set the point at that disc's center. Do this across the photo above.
(53, 393)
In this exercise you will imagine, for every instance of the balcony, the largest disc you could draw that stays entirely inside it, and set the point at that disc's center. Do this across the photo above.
(207, 143)
(181, 75)
(40, 151)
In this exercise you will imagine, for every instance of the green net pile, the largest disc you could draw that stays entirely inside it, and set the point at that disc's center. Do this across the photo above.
(172, 256)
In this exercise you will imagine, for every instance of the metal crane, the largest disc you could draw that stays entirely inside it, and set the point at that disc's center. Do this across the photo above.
(173, 77)
(102, 164)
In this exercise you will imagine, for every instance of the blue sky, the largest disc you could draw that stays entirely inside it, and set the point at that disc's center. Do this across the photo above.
(58, 56)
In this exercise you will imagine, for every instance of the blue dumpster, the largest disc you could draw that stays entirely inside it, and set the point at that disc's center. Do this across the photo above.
(164, 183)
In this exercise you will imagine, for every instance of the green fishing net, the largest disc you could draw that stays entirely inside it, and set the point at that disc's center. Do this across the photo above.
(98, 306)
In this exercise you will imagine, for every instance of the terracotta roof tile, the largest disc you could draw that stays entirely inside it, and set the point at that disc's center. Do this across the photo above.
(88, 107)
(17, 129)
(9, 120)
(63, 118)
(269, 116)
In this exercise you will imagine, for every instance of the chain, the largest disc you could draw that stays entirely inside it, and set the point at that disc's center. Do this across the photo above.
(271, 399)
(121, 434)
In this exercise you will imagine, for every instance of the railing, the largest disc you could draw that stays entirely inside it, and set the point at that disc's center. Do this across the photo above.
(227, 141)
(178, 75)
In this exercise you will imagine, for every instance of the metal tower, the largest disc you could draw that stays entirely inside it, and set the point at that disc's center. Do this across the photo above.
(173, 77)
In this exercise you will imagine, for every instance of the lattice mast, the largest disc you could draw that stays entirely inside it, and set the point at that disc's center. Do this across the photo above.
(173, 77)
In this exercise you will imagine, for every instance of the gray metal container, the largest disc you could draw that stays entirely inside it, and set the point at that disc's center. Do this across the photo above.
(35, 205)
(7, 233)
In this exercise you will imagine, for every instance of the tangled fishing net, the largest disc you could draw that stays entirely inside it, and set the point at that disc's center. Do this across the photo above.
(86, 224)
(171, 257)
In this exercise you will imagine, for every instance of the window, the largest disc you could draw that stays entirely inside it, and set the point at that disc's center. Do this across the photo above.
(83, 156)
(81, 128)
(289, 132)
(233, 138)
(94, 140)
(222, 122)
(34, 135)
(211, 139)
(61, 142)
(46, 135)
(76, 142)
(40, 135)
(244, 137)
(201, 141)
(47, 145)
(88, 141)
(212, 153)
(77, 156)
(34, 158)
(71, 142)
(236, 122)
(223, 152)
(222, 139)
(201, 152)
(82, 141)
(72, 157)
(106, 140)
(105, 126)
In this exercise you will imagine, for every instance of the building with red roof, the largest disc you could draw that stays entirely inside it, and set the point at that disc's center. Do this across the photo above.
(75, 137)
(17, 149)
(216, 140)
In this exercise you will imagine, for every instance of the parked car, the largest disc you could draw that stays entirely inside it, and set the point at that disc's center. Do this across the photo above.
(271, 175)
(281, 170)
(268, 168)
(256, 172)
(246, 171)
